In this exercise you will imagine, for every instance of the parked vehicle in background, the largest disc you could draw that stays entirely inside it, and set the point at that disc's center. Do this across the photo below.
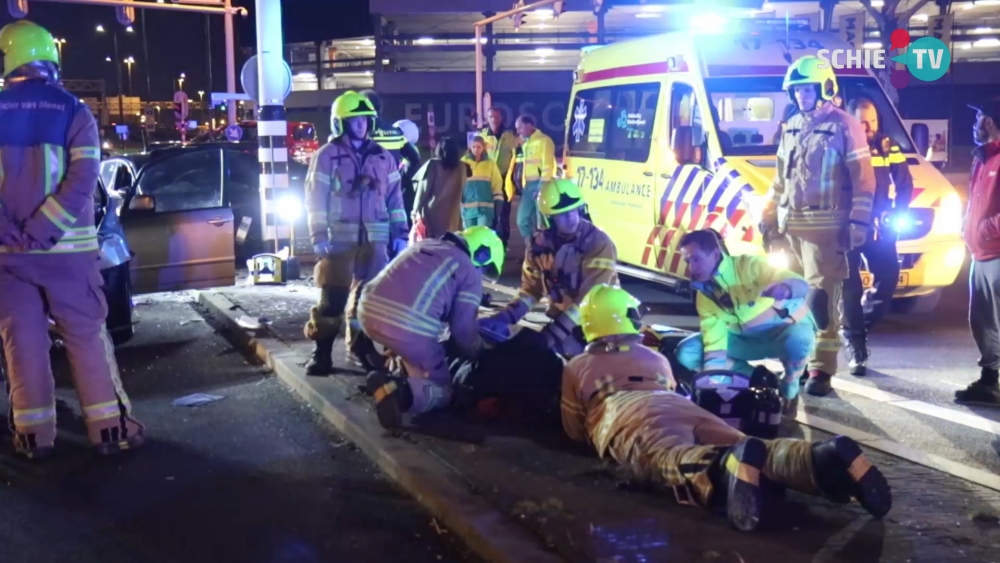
(302, 139)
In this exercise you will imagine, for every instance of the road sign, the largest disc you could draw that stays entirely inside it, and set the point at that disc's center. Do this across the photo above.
(234, 133)
(181, 108)
(276, 68)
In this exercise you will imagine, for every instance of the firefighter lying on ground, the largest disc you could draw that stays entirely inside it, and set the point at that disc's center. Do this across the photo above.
(618, 396)
(562, 262)
(748, 310)
(433, 285)
(355, 212)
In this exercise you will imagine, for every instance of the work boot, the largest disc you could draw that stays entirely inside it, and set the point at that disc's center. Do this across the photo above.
(858, 352)
(818, 384)
(843, 472)
(321, 362)
(392, 396)
(983, 392)
(113, 447)
(363, 354)
(32, 453)
(748, 501)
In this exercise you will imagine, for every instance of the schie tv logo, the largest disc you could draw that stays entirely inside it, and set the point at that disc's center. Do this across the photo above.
(927, 58)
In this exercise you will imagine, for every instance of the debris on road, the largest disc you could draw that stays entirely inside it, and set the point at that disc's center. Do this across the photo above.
(196, 400)
(249, 323)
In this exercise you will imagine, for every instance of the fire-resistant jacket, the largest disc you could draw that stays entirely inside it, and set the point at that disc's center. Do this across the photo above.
(49, 162)
(982, 222)
(891, 170)
(514, 179)
(482, 188)
(539, 158)
(353, 195)
(824, 178)
(605, 388)
(431, 285)
(731, 303)
(500, 146)
(564, 270)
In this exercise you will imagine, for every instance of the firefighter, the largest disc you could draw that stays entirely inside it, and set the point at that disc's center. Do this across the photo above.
(562, 262)
(618, 397)
(355, 214)
(49, 161)
(435, 284)
(821, 199)
(749, 311)
(879, 251)
(539, 154)
(393, 139)
(482, 197)
(500, 146)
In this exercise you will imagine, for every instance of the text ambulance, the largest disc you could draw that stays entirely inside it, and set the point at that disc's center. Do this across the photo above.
(679, 132)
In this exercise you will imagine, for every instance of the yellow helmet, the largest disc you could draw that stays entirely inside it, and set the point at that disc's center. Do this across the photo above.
(810, 70)
(608, 310)
(24, 42)
(349, 104)
(485, 248)
(559, 196)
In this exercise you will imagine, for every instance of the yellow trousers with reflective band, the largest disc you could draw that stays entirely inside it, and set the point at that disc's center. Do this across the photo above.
(821, 260)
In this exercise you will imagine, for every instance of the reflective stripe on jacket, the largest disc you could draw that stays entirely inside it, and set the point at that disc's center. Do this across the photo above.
(732, 303)
(49, 161)
(824, 176)
(482, 188)
(354, 196)
(431, 285)
(539, 158)
(891, 170)
(500, 149)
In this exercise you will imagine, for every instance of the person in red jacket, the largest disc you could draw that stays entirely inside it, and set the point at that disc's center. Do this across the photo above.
(982, 235)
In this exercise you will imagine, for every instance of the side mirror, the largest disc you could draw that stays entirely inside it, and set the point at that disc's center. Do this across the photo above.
(681, 142)
(921, 137)
(142, 203)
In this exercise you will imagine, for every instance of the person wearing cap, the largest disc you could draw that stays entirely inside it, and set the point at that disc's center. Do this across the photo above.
(562, 261)
(434, 285)
(49, 267)
(820, 200)
(982, 235)
(355, 212)
(618, 396)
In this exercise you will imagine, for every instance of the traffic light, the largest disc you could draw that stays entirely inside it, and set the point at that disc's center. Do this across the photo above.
(558, 8)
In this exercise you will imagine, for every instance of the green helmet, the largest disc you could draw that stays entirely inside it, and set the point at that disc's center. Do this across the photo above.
(349, 104)
(609, 310)
(24, 42)
(485, 248)
(810, 70)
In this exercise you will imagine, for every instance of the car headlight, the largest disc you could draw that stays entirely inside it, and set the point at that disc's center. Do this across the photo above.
(778, 259)
(948, 219)
(288, 208)
(902, 222)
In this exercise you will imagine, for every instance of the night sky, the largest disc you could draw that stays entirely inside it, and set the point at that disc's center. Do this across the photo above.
(177, 41)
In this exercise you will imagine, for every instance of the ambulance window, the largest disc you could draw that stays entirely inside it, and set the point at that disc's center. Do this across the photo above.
(684, 111)
(614, 122)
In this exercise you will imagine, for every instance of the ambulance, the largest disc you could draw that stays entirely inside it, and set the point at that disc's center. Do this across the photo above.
(678, 132)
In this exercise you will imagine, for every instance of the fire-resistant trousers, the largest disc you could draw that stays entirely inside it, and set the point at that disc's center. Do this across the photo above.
(66, 287)
(341, 276)
(821, 260)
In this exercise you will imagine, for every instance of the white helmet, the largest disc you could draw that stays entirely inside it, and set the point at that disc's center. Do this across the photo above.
(409, 129)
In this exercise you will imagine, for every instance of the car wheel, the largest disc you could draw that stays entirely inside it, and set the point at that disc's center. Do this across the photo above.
(118, 292)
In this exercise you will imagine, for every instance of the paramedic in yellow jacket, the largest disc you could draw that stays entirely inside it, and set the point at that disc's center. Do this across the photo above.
(619, 397)
(562, 262)
(482, 196)
(821, 198)
(513, 186)
(539, 169)
(355, 212)
(749, 310)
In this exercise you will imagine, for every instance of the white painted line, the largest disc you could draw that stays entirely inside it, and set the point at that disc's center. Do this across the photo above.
(955, 469)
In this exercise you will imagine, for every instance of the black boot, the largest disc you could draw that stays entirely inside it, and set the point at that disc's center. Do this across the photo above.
(843, 472)
(748, 501)
(392, 396)
(984, 392)
(859, 354)
(363, 354)
(321, 362)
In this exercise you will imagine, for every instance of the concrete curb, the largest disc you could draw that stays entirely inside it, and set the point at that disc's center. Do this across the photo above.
(441, 490)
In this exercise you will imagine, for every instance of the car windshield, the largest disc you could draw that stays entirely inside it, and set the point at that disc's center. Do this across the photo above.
(748, 112)
(304, 132)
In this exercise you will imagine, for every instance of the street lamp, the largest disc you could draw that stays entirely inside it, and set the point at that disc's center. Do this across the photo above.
(121, 102)
(201, 102)
(59, 45)
(129, 29)
(181, 81)
(129, 61)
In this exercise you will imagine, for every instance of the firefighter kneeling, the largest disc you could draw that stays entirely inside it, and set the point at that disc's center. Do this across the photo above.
(433, 285)
(618, 396)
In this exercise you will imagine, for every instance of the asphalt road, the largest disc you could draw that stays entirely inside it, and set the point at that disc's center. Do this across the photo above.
(254, 477)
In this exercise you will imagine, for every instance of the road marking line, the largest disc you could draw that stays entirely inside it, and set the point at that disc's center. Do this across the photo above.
(953, 468)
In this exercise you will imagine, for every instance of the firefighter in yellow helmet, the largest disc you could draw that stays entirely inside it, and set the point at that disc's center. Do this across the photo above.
(49, 160)
(433, 285)
(821, 199)
(618, 396)
(563, 260)
(355, 213)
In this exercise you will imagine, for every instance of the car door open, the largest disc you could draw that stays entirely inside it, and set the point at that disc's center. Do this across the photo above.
(178, 225)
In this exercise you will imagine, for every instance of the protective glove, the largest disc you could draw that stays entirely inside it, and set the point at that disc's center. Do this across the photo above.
(398, 246)
(858, 234)
(321, 248)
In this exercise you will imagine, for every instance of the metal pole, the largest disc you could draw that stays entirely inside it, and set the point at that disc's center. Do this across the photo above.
(208, 57)
(157, 6)
(145, 56)
(272, 129)
(231, 58)
(121, 91)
